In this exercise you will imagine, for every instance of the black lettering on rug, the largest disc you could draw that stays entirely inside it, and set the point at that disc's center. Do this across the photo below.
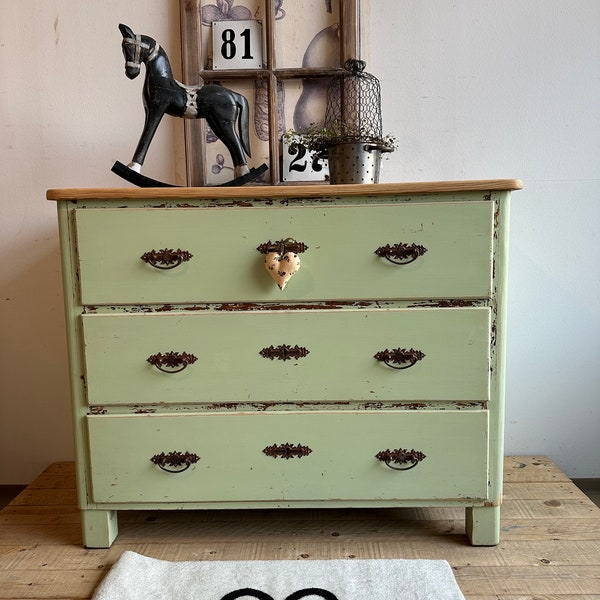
(260, 595)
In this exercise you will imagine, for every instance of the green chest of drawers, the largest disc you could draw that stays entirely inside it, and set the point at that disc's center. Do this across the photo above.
(373, 379)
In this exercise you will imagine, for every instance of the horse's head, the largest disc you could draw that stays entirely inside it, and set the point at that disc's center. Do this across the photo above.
(137, 49)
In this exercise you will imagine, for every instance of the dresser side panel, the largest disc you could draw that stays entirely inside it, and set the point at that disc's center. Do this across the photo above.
(73, 310)
(498, 342)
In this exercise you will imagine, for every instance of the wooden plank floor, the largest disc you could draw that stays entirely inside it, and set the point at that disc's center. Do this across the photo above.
(550, 548)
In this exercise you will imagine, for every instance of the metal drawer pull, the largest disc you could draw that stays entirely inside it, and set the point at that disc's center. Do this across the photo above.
(182, 461)
(400, 358)
(171, 362)
(401, 254)
(287, 451)
(399, 456)
(283, 246)
(284, 352)
(166, 258)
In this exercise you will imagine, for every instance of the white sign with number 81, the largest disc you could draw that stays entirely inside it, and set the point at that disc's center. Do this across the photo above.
(237, 45)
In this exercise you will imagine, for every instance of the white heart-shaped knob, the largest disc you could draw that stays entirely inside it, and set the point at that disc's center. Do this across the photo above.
(282, 267)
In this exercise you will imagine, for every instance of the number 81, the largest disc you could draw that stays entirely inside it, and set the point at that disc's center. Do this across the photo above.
(228, 47)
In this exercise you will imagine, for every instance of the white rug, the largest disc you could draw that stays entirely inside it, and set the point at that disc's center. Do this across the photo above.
(137, 577)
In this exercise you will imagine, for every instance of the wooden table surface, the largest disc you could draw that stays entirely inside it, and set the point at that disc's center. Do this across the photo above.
(550, 547)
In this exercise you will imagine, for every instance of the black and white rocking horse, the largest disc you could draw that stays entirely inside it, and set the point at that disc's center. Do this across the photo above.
(222, 108)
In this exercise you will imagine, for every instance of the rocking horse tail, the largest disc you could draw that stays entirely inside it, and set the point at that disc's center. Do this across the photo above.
(243, 122)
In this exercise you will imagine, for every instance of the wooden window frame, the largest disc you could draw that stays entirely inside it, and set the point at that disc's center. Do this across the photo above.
(352, 42)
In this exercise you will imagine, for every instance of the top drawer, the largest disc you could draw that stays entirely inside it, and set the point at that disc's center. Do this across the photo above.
(340, 262)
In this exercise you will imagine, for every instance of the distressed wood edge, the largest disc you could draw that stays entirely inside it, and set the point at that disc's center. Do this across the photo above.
(193, 129)
(281, 191)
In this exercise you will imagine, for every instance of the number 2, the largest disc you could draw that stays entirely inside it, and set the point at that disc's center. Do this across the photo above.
(294, 166)
(300, 152)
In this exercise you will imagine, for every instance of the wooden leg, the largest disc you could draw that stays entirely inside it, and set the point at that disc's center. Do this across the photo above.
(483, 525)
(99, 527)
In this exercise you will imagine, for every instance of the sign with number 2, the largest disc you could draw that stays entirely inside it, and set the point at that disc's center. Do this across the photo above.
(237, 45)
(301, 164)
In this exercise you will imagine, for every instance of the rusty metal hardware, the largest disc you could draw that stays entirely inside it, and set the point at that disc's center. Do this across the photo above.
(172, 362)
(400, 456)
(166, 258)
(287, 451)
(401, 254)
(284, 352)
(399, 358)
(282, 246)
(182, 461)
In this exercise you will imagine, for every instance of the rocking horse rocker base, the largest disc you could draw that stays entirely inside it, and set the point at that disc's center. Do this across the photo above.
(147, 182)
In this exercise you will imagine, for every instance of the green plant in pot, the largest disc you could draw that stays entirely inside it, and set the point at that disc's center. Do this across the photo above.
(351, 136)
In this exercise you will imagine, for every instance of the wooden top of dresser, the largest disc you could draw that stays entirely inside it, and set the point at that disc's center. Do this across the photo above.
(285, 191)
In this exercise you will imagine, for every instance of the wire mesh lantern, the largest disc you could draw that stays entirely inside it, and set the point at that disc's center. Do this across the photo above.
(353, 126)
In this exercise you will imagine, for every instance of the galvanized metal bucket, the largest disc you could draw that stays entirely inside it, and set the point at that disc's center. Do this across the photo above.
(354, 162)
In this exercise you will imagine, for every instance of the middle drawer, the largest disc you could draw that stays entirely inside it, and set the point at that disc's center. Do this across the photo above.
(288, 356)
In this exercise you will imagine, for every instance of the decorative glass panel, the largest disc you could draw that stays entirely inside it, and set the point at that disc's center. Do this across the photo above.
(304, 43)
(307, 34)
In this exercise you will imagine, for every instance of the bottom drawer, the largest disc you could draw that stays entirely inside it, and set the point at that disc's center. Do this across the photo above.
(339, 461)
